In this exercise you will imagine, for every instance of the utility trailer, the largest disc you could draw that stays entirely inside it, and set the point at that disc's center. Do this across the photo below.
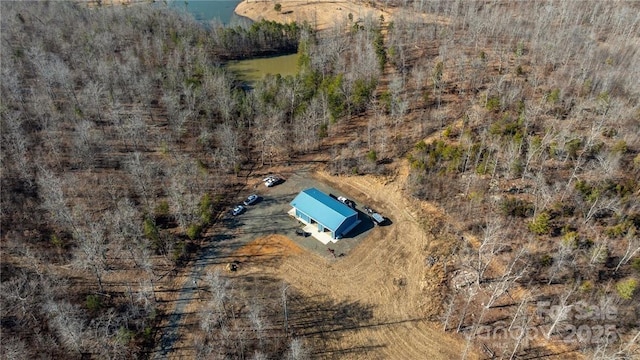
(376, 217)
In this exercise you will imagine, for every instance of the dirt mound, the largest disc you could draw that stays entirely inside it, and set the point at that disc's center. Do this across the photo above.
(270, 246)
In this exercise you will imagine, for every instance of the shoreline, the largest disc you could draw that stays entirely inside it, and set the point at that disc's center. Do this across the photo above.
(95, 3)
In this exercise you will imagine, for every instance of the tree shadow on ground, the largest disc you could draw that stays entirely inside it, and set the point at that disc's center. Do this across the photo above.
(323, 322)
(319, 320)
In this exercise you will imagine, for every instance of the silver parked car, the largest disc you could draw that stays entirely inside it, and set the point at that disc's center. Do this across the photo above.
(237, 210)
(272, 180)
(251, 199)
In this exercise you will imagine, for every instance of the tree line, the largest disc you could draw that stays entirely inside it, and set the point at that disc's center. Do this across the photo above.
(528, 139)
(122, 137)
(123, 133)
(261, 38)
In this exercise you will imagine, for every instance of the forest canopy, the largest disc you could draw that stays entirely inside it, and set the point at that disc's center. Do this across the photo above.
(125, 140)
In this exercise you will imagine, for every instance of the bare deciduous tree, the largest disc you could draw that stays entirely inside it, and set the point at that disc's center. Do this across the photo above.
(258, 324)
(297, 349)
(54, 201)
(228, 150)
(14, 348)
(17, 143)
(92, 251)
(69, 324)
(142, 172)
(491, 245)
(562, 254)
(561, 313)
(633, 247)
(219, 290)
(85, 142)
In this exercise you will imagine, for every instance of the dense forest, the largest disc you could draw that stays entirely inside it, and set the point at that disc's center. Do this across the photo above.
(124, 139)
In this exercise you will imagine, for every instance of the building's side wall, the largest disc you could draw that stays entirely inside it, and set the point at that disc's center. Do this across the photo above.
(303, 216)
(346, 224)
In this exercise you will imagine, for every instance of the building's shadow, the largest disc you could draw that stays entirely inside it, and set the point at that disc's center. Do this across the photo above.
(365, 225)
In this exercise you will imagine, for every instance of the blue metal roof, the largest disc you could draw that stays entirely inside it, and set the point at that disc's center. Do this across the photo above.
(322, 208)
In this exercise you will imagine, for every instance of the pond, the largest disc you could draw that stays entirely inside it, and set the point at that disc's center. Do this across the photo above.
(251, 70)
(206, 10)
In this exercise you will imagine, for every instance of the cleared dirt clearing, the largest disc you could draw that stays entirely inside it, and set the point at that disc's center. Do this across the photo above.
(386, 272)
(321, 14)
(267, 247)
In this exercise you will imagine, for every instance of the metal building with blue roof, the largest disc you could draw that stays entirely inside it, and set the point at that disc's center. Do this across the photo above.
(312, 206)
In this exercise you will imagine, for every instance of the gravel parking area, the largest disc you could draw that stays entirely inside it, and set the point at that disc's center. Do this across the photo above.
(269, 216)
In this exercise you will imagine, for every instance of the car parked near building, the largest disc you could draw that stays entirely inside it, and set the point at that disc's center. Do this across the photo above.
(270, 181)
(237, 210)
(251, 199)
(349, 203)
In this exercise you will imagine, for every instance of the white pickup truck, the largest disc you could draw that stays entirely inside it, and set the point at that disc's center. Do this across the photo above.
(347, 202)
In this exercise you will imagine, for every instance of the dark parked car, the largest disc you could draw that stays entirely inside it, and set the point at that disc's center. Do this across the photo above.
(302, 233)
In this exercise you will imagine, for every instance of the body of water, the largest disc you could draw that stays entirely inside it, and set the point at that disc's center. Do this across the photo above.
(207, 10)
(251, 70)
(248, 70)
